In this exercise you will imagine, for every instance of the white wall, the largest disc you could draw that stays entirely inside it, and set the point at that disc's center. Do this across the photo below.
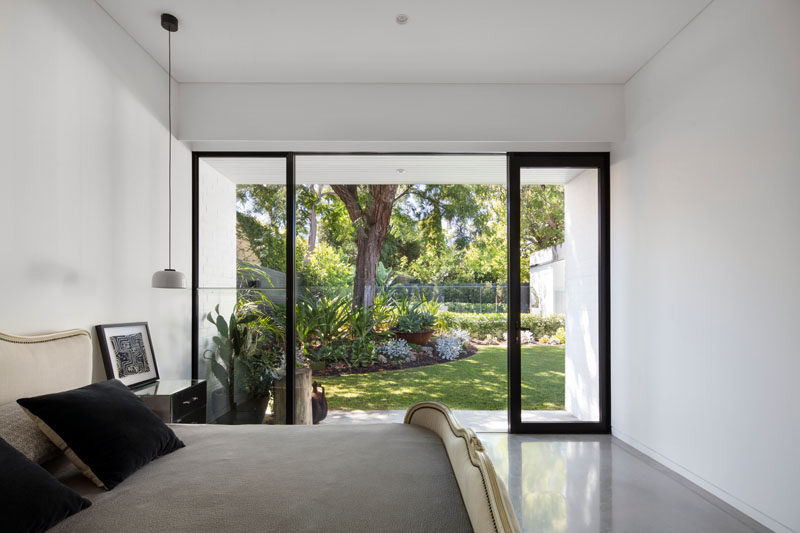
(362, 116)
(581, 320)
(705, 352)
(83, 188)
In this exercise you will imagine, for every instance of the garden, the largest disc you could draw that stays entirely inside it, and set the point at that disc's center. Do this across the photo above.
(401, 295)
(386, 356)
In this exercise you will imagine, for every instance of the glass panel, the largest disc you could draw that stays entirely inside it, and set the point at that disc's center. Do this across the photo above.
(559, 298)
(401, 276)
(242, 287)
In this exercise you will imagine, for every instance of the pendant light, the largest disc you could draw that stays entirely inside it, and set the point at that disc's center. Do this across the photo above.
(169, 278)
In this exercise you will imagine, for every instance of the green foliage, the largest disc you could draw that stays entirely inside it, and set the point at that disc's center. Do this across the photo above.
(384, 278)
(430, 307)
(414, 321)
(251, 337)
(438, 263)
(403, 244)
(332, 330)
(261, 221)
(437, 233)
(324, 270)
(496, 324)
(475, 307)
(541, 220)
(415, 315)
(321, 324)
(336, 228)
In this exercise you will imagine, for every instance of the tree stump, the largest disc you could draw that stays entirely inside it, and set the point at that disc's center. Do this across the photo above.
(302, 398)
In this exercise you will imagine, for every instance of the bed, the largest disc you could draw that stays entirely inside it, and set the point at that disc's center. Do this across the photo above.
(427, 474)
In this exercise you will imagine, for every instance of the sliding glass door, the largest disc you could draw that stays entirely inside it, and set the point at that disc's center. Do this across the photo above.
(477, 280)
(558, 301)
(401, 292)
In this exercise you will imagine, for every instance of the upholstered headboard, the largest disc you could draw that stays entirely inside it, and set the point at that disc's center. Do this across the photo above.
(42, 364)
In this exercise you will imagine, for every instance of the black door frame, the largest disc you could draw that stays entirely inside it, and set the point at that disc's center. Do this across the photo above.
(516, 162)
(291, 230)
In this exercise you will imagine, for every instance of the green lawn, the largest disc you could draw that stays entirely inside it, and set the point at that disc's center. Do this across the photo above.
(477, 382)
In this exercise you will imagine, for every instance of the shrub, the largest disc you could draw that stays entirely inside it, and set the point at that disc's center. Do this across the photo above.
(364, 352)
(396, 351)
(495, 324)
(324, 269)
(449, 348)
(461, 334)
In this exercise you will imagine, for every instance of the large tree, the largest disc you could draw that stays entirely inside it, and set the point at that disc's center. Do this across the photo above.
(370, 213)
(430, 207)
(436, 233)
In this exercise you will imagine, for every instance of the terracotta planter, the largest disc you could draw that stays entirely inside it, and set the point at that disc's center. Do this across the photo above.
(417, 337)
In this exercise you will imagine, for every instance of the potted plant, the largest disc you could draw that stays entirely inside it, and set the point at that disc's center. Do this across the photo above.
(254, 340)
(415, 326)
(261, 372)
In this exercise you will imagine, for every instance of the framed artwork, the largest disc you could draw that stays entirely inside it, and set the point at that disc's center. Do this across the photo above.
(128, 353)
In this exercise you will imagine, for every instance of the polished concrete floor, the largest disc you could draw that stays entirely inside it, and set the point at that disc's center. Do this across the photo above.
(596, 484)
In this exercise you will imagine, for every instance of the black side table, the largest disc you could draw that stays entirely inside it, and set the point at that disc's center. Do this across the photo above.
(176, 401)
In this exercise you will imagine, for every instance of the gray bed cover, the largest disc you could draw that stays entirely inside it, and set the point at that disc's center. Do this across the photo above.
(372, 477)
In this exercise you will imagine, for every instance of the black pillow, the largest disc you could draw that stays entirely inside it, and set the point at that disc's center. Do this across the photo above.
(104, 429)
(30, 498)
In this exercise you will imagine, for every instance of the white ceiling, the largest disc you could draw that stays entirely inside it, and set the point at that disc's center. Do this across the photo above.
(355, 41)
(374, 169)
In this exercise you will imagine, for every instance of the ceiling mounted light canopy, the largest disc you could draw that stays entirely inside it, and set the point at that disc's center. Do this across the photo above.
(169, 278)
(401, 19)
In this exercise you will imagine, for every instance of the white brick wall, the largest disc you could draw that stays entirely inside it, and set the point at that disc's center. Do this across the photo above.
(217, 229)
(217, 266)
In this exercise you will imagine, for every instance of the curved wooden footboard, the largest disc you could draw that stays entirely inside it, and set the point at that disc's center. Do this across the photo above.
(485, 496)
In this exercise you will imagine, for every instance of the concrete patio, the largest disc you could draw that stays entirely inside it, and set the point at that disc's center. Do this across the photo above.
(479, 420)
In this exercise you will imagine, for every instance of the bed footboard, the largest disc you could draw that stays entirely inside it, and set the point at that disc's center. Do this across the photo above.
(485, 496)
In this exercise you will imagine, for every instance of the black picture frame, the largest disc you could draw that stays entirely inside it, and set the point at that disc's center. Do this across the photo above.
(105, 332)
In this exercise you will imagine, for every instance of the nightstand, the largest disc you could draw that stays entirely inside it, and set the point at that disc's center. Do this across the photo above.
(177, 401)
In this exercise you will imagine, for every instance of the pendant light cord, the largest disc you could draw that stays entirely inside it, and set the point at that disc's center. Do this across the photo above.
(169, 106)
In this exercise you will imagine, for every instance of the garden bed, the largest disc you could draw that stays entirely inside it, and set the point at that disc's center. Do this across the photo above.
(422, 358)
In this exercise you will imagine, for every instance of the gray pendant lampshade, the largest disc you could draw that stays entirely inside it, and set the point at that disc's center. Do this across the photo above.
(169, 278)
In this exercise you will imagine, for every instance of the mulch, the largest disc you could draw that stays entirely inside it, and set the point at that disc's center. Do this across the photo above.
(423, 359)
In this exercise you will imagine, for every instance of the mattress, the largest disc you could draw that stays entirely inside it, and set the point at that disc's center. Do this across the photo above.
(375, 477)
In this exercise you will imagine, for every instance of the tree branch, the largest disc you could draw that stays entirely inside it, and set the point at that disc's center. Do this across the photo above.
(349, 195)
(405, 192)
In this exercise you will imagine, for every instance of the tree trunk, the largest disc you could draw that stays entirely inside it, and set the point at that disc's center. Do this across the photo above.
(312, 231)
(312, 221)
(375, 216)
